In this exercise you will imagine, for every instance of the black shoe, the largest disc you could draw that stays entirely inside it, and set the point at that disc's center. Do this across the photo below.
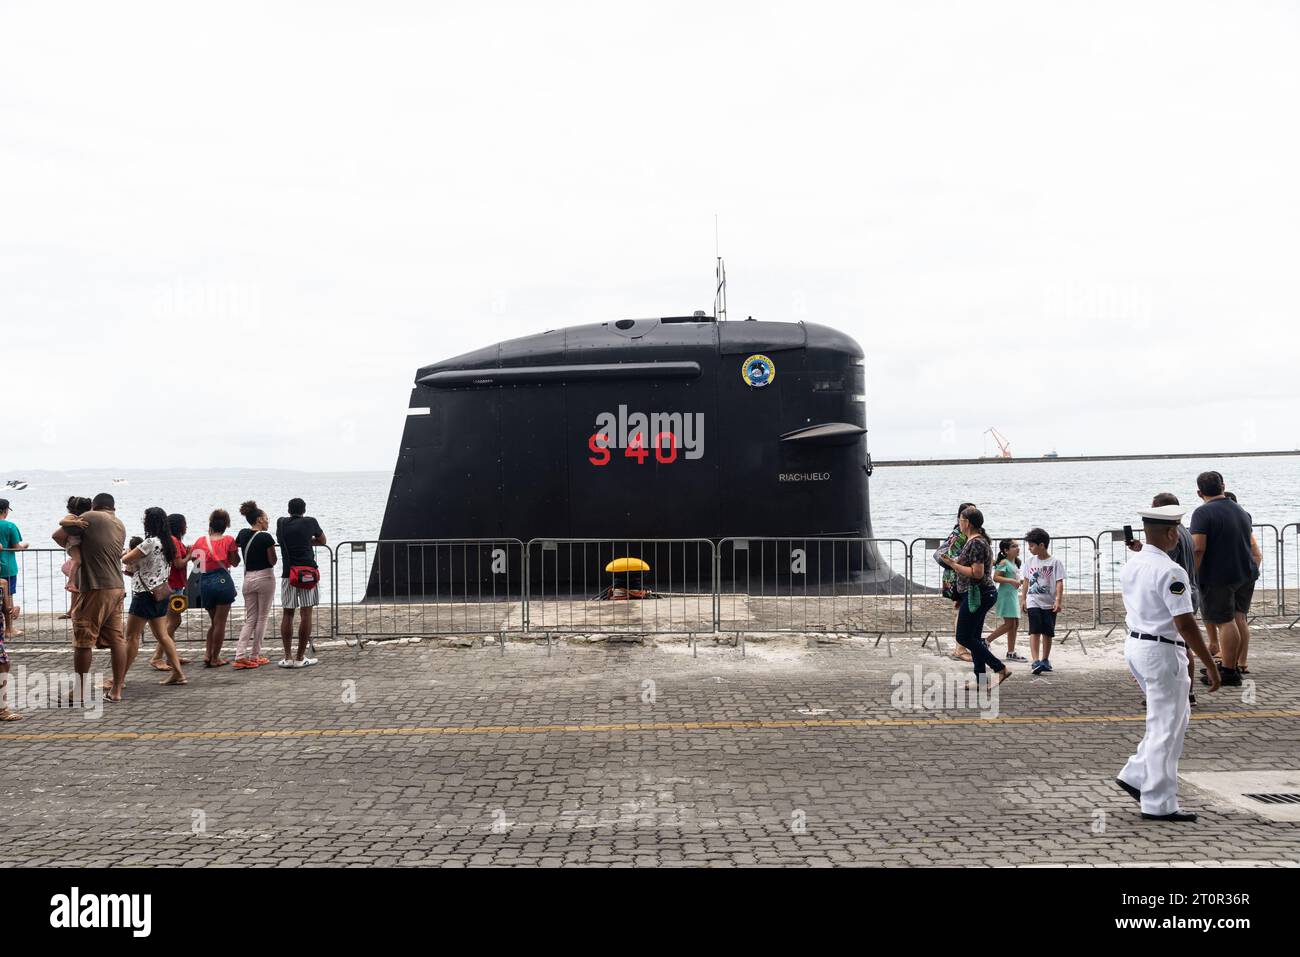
(1176, 816)
(1228, 678)
(1133, 792)
(1191, 698)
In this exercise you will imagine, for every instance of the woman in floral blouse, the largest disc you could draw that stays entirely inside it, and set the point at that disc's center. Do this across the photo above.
(973, 569)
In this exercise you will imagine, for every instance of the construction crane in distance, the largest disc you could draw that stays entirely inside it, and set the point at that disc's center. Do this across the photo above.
(1004, 447)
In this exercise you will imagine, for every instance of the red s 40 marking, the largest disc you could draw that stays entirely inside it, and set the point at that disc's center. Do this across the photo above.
(665, 449)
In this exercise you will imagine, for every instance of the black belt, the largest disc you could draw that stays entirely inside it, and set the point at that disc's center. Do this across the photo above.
(1167, 641)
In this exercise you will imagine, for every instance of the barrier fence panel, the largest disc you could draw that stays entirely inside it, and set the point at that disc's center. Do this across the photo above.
(44, 601)
(828, 585)
(572, 587)
(41, 598)
(1267, 601)
(1288, 562)
(429, 587)
(193, 628)
(1079, 608)
(930, 613)
(1113, 552)
(927, 610)
(374, 589)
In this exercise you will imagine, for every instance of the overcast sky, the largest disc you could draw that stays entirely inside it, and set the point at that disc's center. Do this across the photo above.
(230, 233)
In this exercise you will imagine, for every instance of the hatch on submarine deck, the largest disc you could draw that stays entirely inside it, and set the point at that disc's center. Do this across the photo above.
(669, 428)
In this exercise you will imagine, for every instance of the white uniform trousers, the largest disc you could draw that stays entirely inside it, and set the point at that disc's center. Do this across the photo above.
(1161, 671)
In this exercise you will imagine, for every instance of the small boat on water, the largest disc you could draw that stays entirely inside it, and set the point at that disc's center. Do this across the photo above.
(1051, 455)
(15, 485)
(119, 481)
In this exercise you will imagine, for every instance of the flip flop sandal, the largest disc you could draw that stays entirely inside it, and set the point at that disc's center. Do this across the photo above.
(8, 715)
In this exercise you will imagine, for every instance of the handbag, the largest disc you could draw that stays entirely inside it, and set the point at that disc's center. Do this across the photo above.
(194, 590)
(955, 538)
(950, 548)
(305, 577)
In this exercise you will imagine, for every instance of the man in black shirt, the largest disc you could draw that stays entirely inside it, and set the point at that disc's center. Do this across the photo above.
(298, 534)
(1221, 536)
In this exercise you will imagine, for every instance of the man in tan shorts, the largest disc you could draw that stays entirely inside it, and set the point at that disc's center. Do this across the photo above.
(97, 616)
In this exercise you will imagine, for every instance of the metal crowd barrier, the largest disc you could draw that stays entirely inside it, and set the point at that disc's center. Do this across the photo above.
(1267, 602)
(928, 611)
(45, 602)
(935, 616)
(426, 588)
(1288, 572)
(1080, 604)
(852, 586)
(42, 598)
(572, 591)
(1112, 553)
(375, 590)
(1270, 589)
(193, 628)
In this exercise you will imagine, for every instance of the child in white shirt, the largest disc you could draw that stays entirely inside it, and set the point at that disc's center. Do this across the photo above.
(1042, 583)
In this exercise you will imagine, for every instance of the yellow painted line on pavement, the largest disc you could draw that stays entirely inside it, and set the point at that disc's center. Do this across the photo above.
(633, 727)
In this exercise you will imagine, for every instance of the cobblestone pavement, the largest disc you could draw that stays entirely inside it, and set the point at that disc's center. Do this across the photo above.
(793, 754)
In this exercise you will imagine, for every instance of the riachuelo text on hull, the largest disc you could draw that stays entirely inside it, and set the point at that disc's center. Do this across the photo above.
(635, 429)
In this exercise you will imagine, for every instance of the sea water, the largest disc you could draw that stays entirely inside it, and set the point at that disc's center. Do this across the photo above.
(907, 502)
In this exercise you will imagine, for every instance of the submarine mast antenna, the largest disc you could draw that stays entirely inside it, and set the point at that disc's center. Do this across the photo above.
(720, 290)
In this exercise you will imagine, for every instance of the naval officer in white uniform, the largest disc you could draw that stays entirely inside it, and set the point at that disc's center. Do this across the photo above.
(1161, 629)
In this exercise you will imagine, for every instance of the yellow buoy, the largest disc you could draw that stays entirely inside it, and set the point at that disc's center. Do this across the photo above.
(627, 565)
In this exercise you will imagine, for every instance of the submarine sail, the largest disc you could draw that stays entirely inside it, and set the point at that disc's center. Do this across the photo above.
(678, 427)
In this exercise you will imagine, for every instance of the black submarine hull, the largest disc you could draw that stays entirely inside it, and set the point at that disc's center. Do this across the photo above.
(635, 431)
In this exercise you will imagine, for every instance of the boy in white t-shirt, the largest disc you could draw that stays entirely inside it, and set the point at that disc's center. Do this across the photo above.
(1042, 583)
